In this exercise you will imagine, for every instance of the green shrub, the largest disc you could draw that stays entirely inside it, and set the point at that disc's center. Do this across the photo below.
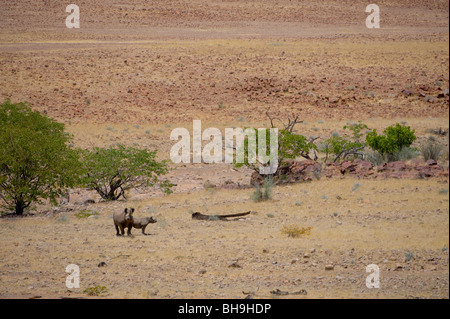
(393, 140)
(293, 145)
(95, 291)
(85, 214)
(36, 161)
(334, 144)
(356, 130)
(345, 146)
(112, 171)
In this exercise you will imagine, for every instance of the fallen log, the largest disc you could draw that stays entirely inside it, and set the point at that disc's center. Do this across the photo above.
(200, 216)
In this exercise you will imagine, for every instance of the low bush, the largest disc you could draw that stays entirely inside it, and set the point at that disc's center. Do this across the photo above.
(431, 150)
(264, 192)
(85, 214)
(295, 231)
(344, 146)
(95, 291)
(406, 153)
(394, 139)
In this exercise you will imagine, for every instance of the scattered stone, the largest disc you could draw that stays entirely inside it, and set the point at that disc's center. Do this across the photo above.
(279, 292)
(357, 167)
(393, 166)
(407, 93)
(430, 99)
(370, 94)
(329, 267)
(319, 277)
(234, 264)
(398, 267)
(208, 185)
(301, 171)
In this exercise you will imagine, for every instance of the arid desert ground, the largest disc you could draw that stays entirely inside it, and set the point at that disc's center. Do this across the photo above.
(135, 70)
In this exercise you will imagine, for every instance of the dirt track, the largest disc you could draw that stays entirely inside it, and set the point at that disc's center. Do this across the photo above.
(134, 71)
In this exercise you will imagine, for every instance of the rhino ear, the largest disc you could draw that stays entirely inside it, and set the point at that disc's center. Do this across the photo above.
(126, 210)
(132, 210)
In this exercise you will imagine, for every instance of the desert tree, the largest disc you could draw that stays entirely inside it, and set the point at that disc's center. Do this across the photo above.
(114, 170)
(290, 144)
(36, 161)
(344, 146)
